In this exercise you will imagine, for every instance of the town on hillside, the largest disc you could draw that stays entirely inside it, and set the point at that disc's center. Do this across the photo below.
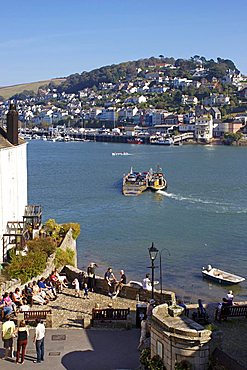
(155, 97)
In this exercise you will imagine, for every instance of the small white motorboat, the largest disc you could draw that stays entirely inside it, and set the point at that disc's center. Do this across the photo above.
(220, 276)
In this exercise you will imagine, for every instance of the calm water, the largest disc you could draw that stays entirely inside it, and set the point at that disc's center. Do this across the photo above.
(200, 219)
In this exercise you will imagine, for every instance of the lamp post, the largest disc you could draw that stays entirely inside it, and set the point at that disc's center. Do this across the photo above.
(160, 253)
(153, 254)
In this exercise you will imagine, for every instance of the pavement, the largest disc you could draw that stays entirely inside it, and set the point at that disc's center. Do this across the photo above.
(80, 349)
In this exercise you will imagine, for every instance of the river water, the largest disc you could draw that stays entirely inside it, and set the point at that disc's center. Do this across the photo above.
(200, 219)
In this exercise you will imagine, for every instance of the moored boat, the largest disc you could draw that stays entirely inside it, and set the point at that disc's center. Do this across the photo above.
(220, 276)
(157, 180)
(135, 140)
(135, 183)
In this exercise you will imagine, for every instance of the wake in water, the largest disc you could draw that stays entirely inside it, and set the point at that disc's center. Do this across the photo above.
(221, 207)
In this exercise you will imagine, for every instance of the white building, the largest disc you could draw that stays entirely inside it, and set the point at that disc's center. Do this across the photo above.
(13, 175)
(204, 127)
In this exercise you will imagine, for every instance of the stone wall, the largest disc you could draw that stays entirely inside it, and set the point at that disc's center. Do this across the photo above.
(177, 339)
(129, 292)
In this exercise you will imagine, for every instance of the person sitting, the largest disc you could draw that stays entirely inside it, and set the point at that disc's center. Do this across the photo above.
(24, 307)
(182, 304)
(8, 302)
(44, 288)
(17, 297)
(6, 310)
(146, 283)
(230, 297)
(218, 314)
(55, 281)
(37, 294)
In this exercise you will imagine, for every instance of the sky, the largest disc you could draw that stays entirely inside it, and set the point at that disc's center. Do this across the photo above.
(56, 38)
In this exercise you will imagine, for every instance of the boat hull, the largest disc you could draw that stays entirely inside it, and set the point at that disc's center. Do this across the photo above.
(221, 277)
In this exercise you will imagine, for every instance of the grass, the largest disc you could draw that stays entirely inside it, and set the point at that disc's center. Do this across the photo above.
(8, 91)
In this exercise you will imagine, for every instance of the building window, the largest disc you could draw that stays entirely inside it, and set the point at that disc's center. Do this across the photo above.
(159, 349)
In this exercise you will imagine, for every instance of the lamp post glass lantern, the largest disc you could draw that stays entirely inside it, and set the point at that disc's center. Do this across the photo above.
(153, 254)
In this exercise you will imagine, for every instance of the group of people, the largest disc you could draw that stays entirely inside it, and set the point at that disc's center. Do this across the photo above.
(21, 333)
(114, 285)
(40, 292)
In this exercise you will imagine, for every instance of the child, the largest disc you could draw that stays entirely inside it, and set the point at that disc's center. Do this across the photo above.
(85, 288)
(75, 282)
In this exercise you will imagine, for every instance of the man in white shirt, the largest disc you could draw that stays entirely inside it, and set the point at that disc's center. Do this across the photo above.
(146, 283)
(39, 340)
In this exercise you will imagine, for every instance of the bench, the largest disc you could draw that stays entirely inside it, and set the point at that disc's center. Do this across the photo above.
(110, 317)
(230, 311)
(33, 315)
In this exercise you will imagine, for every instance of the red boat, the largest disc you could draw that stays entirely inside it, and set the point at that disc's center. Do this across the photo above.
(135, 140)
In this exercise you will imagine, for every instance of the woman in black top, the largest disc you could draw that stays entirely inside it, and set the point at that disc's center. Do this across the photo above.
(22, 335)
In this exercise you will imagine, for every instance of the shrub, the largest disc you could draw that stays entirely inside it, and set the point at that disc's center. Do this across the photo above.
(64, 257)
(183, 365)
(26, 267)
(45, 245)
(76, 229)
(154, 363)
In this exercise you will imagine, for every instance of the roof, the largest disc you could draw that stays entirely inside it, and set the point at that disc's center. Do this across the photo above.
(4, 142)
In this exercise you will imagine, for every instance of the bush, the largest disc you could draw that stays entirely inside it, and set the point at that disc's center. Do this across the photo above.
(64, 257)
(26, 267)
(45, 245)
(76, 229)
(183, 365)
(154, 363)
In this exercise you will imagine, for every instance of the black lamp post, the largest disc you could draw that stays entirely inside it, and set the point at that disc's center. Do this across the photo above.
(153, 254)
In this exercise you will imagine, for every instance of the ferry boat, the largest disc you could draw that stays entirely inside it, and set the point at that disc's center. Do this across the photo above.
(135, 183)
(157, 180)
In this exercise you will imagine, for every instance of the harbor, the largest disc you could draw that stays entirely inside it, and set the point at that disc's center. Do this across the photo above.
(190, 218)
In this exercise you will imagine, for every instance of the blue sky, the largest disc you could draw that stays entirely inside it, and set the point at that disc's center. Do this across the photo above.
(55, 38)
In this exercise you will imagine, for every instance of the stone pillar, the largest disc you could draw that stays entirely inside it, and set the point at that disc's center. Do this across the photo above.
(177, 339)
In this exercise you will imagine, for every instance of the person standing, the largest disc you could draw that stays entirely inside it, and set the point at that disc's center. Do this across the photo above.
(111, 281)
(76, 284)
(8, 332)
(146, 283)
(121, 283)
(91, 276)
(22, 335)
(39, 341)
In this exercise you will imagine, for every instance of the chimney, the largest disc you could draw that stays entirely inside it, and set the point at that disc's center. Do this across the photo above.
(12, 125)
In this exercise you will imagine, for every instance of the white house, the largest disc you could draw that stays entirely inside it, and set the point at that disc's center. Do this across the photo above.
(13, 175)
(204, 127)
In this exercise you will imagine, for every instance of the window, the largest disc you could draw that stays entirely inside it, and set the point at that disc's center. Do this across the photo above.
(159, 349)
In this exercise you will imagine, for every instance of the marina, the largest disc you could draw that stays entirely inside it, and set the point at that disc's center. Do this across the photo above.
(81, 182)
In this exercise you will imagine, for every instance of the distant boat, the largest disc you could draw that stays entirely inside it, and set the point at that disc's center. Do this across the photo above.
(220, 276)
(135, 183)
(120, 153)
(135, 140)
(161, 140)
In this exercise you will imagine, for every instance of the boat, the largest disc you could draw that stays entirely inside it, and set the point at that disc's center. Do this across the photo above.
(160, 140)
(156, 180)
(119, 153)
(135, 140)
(220, 276)
(135, 183)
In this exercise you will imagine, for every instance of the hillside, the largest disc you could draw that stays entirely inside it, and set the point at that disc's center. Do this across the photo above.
(8, 91)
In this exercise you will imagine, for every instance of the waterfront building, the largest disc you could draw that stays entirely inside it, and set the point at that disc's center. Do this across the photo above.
(204, 128)
(13, 175)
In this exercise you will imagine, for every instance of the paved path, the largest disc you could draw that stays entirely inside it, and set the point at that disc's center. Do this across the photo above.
(79, 349)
